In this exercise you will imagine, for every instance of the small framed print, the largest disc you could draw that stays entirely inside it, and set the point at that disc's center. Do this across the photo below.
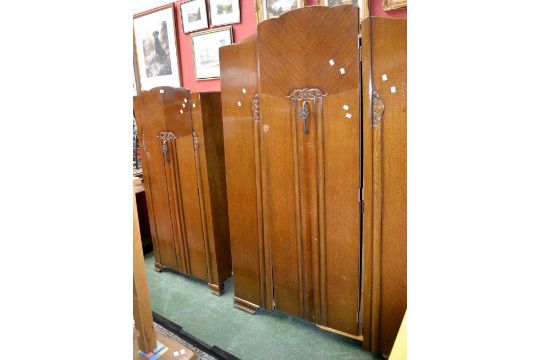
(155, 48)
(206, 46)
(224, 12)
(268, 9)
(339, 2)
(194, 16)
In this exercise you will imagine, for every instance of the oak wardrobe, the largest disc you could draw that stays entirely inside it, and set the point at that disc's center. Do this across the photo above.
(184, 178)
(297, 110)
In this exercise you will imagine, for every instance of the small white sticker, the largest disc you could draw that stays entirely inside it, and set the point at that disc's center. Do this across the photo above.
(331, 62)
(184, 105)
(161, 91)
(182, 352)
(348, 116)
(345, 107)
(392, 89)
(176, 354)
(244, 91)
(193, 104)
(239, 103)
(185, 100)
(181, 111)
(384, 77)
(342, 71)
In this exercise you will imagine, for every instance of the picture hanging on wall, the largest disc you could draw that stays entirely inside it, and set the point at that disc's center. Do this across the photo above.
(339, 2)
(224, 12)
(268, 9)
(206, 46)
(393, 4)
(194, 16)
(155, 48)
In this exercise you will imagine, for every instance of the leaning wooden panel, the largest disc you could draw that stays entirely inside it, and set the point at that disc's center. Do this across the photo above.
(210, 166)
(241, 132)
(309, 98)
(385, 152)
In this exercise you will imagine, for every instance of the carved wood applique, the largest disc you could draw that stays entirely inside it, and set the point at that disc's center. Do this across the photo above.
(255, 108)
(378, 108)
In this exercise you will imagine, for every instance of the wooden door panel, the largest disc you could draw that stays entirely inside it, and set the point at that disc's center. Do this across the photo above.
(342, 210)
(241, 132)
(281, 205)
(192, 210)
(311, 181)
(384, 290)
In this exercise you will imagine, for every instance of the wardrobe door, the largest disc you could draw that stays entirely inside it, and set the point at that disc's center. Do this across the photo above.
(241, 132)
(151, 121)
(384, 70)
(309, 98)
(192, 239)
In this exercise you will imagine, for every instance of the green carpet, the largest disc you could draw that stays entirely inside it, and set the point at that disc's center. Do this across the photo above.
(263, 336)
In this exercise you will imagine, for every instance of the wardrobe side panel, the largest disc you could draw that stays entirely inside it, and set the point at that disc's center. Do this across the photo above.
(239, 81)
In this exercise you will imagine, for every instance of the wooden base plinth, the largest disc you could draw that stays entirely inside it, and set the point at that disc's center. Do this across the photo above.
(217, 289)
(245, 305)
(356, 337)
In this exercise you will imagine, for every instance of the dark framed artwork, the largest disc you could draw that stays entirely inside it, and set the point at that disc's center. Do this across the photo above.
(224, 12)
(156, 55)
(194, 16)
(206, 46)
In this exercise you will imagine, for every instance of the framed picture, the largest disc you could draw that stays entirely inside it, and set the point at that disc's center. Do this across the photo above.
(268, 9)
(206, 46)
(194, 16)
(155, 48)
(393, 4)
(224, 12)
(339, 2)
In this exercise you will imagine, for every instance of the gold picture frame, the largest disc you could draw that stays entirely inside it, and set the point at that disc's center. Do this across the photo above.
(265, 10)
(205, 48)
(393, 4)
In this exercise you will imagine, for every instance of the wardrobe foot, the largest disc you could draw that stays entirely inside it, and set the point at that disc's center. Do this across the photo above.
(217, 289)
(158, 267)
(245, 305)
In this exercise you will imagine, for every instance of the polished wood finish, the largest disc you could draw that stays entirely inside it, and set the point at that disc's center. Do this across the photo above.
(142, 307)
(384, 293)
(311, 181)
(210, 165)
(185, 182)
(241, 130)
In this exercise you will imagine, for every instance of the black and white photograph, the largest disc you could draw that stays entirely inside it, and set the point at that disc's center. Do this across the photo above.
(339, 2)
(194, 16)
(224, 12)
(156, 49)
(206, 46)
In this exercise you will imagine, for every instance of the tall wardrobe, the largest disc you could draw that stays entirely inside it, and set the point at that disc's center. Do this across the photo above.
(312, 235)
(184, 179)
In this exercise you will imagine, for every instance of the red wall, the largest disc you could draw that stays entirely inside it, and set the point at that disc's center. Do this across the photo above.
(245, 28)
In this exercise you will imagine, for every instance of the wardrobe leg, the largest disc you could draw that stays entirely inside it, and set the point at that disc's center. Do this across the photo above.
(217, 289)
(158, 267)
(245, 305)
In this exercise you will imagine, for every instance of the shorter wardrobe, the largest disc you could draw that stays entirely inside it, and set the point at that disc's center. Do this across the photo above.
(184, 177)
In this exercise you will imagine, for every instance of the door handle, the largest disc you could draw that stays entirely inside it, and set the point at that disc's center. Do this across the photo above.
(304, 115)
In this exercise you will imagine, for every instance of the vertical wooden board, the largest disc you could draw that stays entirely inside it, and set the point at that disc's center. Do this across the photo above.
(217, 185)
(390, 47)
(152, 118)
(192, 211)
(284, 217)
(239, 80)
(342, 209)
(385, 287)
